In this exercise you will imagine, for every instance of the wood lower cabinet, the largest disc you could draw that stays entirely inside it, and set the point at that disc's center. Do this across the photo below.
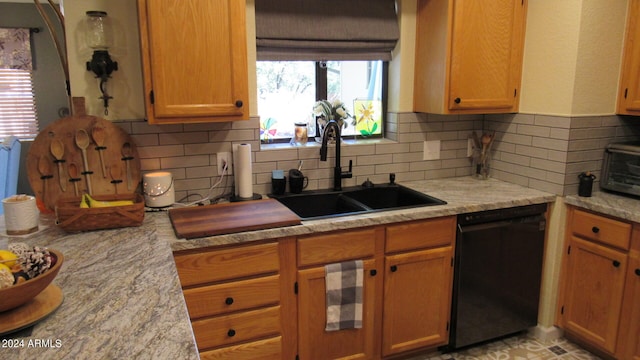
(417, 285)
(594, 287)
(268, 300)
(629, 345)
(316, 343)
(237, 301)
(314, 252)
(600, 293)
(408, 281)
(417, 298)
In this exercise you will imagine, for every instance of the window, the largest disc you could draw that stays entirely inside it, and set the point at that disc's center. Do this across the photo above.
(311, 50)
(288, 90)
(17, 104)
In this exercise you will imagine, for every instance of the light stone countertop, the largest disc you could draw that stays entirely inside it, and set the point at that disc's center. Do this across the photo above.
(122, 299)
(462, 194)
(623, 207)
(122, 296)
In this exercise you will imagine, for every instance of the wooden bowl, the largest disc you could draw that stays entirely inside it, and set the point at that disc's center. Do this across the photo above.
(16, 295)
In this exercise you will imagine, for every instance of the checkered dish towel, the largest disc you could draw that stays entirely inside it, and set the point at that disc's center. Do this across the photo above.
(344, 295)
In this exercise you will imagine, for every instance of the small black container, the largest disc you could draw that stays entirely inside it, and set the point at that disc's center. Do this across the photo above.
(278, 186)
(586, 184)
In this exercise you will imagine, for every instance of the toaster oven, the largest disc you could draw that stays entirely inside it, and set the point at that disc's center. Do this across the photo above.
(621, 168)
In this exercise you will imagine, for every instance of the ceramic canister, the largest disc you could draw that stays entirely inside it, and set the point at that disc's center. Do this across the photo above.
(21, 214)
(158, 189)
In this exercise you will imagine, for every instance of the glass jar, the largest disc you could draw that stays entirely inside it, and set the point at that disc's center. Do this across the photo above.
(300, 134)
(98, 30)
(480, 165)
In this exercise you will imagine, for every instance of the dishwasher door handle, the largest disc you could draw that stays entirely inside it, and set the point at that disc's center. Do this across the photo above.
(504, 223)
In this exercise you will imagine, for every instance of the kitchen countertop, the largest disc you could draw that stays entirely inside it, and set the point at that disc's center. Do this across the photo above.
(462, 194)
(122, 296)
(623, 207)
(122, 299)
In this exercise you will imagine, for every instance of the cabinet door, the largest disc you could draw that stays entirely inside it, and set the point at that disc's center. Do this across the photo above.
(486, 54)
(629, 94)
(594, 286)
(630, 329)
(417, 298)
(314, 341)
(194, 60)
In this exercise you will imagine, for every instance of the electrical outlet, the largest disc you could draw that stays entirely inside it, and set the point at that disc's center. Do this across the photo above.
(221, 159)
(431, 150)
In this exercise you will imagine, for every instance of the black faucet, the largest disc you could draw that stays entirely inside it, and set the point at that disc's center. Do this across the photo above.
(338, 174)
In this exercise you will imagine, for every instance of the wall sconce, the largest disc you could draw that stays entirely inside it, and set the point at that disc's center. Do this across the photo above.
(98, 38)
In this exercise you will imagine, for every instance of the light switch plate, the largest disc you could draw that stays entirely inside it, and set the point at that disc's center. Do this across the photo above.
(431, 150)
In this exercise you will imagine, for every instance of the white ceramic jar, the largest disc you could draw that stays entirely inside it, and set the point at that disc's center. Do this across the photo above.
(158, 189)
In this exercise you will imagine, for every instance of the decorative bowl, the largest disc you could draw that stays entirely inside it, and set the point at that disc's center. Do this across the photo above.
(16, 295)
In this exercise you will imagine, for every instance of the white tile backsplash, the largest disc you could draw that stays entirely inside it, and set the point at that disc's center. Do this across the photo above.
(538, 151)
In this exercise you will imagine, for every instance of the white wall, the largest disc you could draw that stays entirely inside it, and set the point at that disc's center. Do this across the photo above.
(125, 84)
(572, 57)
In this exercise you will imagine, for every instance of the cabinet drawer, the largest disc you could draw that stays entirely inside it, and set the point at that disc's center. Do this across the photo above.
(336, 247)
(226, 264)
(262, 349)
(421, 234)
(238, 295)
(234, 328)
(599, 228)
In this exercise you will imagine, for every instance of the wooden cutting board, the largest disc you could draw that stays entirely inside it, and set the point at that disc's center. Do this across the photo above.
(227, 218)
(48, 187)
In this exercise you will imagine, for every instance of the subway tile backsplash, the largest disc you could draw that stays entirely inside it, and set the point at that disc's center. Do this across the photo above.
(537, 151)
(554, 150)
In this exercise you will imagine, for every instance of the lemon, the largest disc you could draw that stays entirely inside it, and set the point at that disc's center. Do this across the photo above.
(8, 255)
(3, 266)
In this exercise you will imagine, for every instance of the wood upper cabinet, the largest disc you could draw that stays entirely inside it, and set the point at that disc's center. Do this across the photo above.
(593, 284)
(194, 60)
(629, 92)
(469, 56)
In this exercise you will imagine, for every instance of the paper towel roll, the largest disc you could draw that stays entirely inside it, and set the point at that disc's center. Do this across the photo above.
(243, 171)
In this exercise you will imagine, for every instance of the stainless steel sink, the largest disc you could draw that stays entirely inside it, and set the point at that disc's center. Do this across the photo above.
(316, 204)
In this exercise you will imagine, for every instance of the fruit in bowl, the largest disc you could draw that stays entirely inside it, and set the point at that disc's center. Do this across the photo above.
(25, 272)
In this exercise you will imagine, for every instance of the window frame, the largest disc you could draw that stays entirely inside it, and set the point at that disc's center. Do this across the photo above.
(321, 94)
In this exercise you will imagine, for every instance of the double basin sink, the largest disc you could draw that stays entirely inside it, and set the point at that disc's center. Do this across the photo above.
(318, 204)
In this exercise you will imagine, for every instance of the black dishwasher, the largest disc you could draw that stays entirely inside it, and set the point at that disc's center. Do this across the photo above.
(498, 269)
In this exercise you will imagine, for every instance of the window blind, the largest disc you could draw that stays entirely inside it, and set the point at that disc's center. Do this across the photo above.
(17, 104)
(326, 30)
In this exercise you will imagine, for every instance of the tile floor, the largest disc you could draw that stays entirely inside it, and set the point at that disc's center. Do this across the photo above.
(518, 347)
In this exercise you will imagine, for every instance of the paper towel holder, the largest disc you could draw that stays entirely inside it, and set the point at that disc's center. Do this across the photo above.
(236, 198)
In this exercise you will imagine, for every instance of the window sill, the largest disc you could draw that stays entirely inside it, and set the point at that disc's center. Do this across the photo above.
(313, 144)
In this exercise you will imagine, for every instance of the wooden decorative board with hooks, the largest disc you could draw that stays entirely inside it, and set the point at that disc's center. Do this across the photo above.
(57, 168)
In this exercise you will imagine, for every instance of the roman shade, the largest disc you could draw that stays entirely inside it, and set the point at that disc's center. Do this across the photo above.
(326, 30)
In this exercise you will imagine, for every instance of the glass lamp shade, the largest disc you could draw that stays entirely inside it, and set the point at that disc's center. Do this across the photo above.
(98, 34)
